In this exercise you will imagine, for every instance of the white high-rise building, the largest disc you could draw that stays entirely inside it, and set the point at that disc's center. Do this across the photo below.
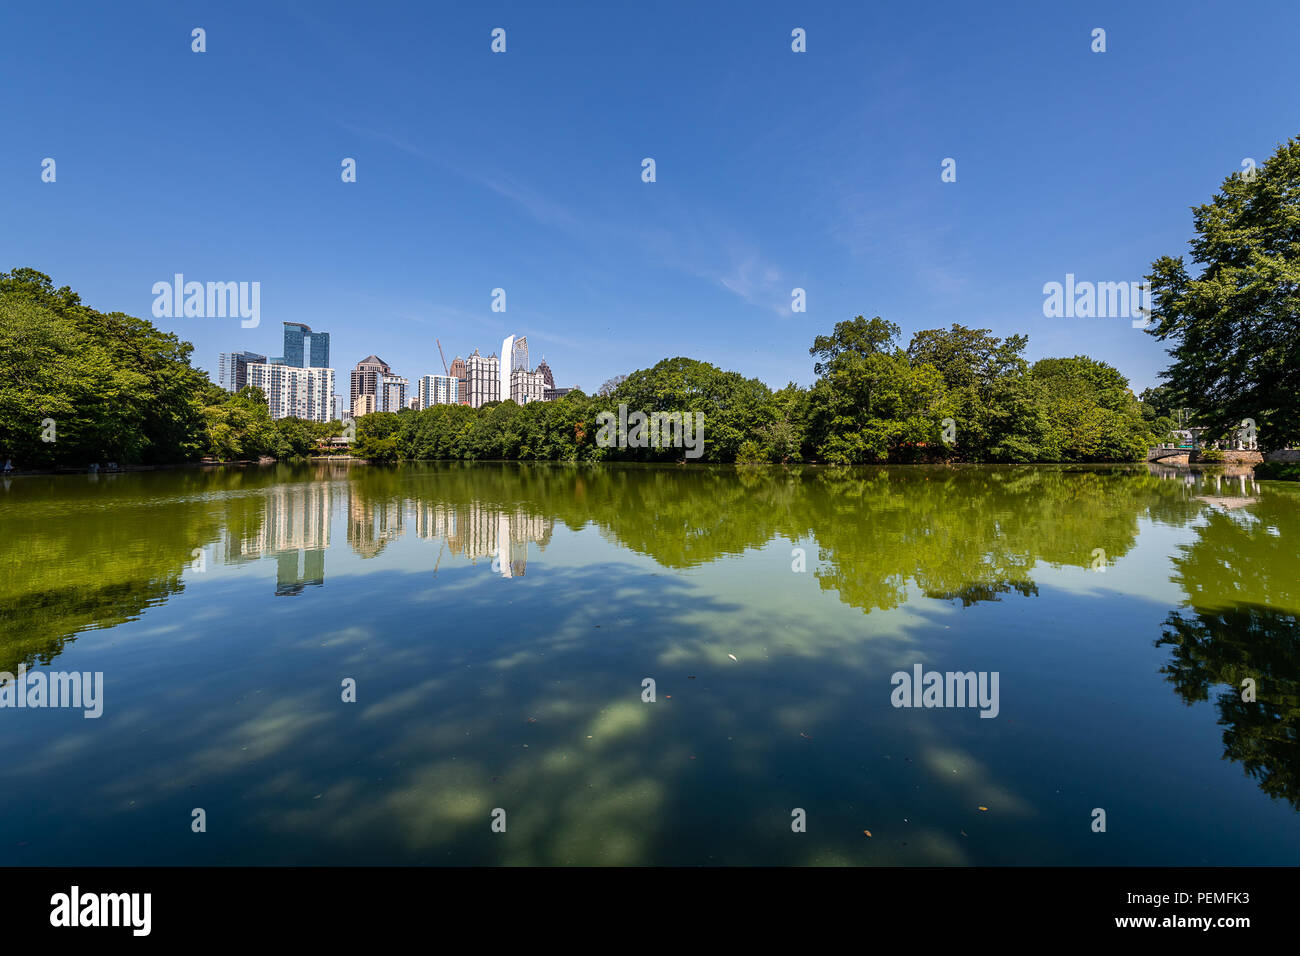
(438, 390)
(514, 358)
(391, 395)
(526, 386)
(483, 379)
(295, 392)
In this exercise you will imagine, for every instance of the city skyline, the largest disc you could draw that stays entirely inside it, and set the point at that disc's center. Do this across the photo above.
(300, 384)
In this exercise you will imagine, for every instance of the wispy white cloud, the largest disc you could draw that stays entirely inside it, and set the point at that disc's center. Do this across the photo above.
(759, 284)
(539, 207)
(692, 244)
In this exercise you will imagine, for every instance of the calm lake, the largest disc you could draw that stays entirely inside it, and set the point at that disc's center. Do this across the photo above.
(499, 621)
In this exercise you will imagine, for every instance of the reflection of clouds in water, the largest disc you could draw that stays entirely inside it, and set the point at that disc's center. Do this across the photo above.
(972, 779)
(405, 701)
(450, 670)
(611, 799)
(275, 732)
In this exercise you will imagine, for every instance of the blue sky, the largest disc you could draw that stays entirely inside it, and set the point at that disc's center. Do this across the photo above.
(522, 170)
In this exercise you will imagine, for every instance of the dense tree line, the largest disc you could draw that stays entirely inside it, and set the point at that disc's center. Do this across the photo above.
(239, 427)
(872, 402)
(118, 389)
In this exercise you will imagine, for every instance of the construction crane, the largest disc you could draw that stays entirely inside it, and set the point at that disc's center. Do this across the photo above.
(446, 371)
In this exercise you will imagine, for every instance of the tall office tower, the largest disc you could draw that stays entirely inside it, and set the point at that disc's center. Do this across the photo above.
(365, 378)
(304, 348)
(320, 350)
(295, 335)
(519, 354)
(546, 373)
(514, 358)
(482, 379)
(458, 372)
(232, 369)
(526, 386)
(294, 392)
(391, 391)
(364, 405)
(438, 390)
(503, 371)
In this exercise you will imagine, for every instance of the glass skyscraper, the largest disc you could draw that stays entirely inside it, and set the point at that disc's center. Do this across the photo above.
(304, 348)
(233, 369)
(320, 349)
(294, 335)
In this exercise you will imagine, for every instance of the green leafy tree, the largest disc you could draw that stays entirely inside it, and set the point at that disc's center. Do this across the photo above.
(734, 407)
(1092, 414)
(986, 395)
(871, 403)
(861, 337)
(377, 436)
(239, 426)
(1234, 325)
(785, 436)
(298, 436)
(1161, 412)
(116, 387)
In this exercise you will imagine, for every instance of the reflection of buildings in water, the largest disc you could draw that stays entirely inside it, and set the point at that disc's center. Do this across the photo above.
(475, 531)
(296, 570)
(373, 522)
(1230, 491)
(434, 521)
(293, 526)
(1228, 487)
(514, 531)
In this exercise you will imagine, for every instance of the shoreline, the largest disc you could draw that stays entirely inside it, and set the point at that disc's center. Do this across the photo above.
(234, 463)
(1242, 467)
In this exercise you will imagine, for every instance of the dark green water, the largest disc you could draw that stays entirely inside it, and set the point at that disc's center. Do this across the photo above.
(515, 681)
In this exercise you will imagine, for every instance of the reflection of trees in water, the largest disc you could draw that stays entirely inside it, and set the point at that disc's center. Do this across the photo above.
(681, 517)
(82, 553)
(95, 555)
(1224, 648)
(1242, 580)
(966, 534)
(92, 555)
